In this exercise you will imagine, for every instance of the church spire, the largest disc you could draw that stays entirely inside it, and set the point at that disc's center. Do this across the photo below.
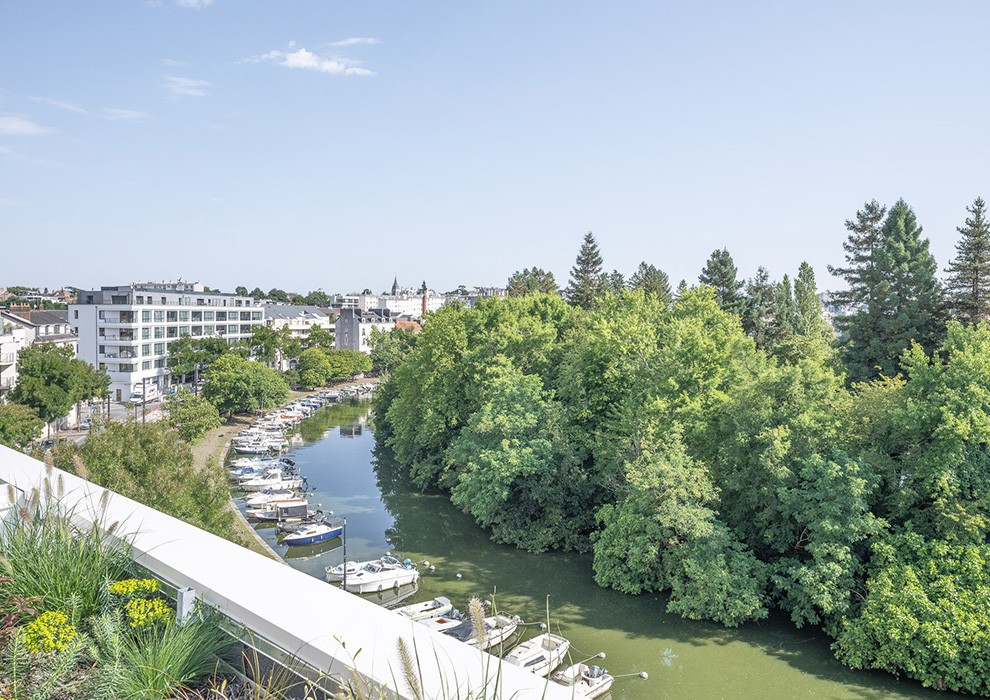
(395, 286)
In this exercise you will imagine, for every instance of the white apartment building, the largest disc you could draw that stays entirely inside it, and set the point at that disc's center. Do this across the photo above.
(21, 328)
(299, 320)
(353, 328)
(126, 330)
(13, 337)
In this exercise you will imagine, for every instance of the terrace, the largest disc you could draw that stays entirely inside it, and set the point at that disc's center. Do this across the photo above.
(293, 619)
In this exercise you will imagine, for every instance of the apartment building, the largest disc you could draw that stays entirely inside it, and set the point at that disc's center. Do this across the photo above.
(126, 330)
(353, 328)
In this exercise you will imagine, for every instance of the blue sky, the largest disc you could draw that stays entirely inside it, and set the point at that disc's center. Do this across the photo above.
(327, 144)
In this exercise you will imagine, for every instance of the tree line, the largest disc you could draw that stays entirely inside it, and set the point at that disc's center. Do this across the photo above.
(722, 444)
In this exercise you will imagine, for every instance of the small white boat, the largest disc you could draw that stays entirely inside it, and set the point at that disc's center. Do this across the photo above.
(585, 681)
(498, 628)
(379, 575)
(273, 479)
(335, 574)
(314, 534)
(539, 655)
(438, 607)
(261, 497)
(282, 510)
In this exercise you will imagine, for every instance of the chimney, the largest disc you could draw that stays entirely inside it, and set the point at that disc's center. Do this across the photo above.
(424, 303)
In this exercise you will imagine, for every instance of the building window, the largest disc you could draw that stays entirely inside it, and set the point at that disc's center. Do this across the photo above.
(159, 316)
(146, 349)
(145, 333)
(221, 315)
(159, 348)
(75, 313)
(103, 349)
(164, 301)
(146, 316)
(146, 364)
(245, 315)
(207, 315)
(197, 316)
(100, 315)
(255, 315)
(171, 332)
(232, 328)
(171, 316)
(183, 330)
(159, 332)
(183, 315)
(140, 299)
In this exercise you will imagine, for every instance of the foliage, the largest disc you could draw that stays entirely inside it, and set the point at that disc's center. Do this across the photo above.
(588, 283)
(313, 368)
(265, 343)
(531, 280)
(134, 587)
(46, 556)
(19, 425)
(50, 631)
(320, 338)
(651, 280)
(144, 612)
(238, 385)
(720, 274)
(191, 416)
(14, 610)
(50, 380)
(968, 285)
(344, 364)
(186, 353)
(151, 464)
(46, 676)
(925, 614)
(390, 348)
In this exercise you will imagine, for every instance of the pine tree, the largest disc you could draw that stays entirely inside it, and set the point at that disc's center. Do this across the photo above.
(720, 272)
(588, 283)
(616, 282)
(652, 281)
(808, 319)
(900, 297)
(864, 238)
(759, 307)
(529, 281)
(783, 315)
(968, 284)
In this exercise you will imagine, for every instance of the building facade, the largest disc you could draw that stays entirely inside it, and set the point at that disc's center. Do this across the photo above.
(21, 329)
(353, 329)
(298, 321)
(126, 330)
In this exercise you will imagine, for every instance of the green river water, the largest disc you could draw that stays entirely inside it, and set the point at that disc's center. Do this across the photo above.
(350, 475)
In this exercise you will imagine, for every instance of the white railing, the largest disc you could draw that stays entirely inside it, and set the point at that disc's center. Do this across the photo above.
(319, 626)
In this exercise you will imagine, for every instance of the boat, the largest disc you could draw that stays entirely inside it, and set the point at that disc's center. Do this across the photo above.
(438, 607)
(272, 479)
(498, 628)
(335, 574)
(282, 510)
(259, 498)
(315, 533)
(539, 655)
(387, 572)
(585, 681)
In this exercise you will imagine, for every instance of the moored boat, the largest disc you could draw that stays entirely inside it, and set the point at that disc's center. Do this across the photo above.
(585, 681)
(437, 607)
(497, 628)
(539, 655)
(387, 572)
(315, 533)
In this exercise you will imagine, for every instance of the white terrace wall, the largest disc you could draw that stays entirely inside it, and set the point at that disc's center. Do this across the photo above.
(295, 612)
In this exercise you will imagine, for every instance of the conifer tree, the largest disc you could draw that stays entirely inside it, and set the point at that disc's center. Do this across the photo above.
(864, 238)
(720, 272)
(758, 311)
(808, 319)
(968, 284)
(652, 281)
(616, 282)
(782, 320)
(587, 282)
(892, 278)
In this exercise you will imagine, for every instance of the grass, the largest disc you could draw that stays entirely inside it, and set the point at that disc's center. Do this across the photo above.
(47, 556)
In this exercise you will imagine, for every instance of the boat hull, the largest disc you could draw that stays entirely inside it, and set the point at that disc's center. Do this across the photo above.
(299, 539)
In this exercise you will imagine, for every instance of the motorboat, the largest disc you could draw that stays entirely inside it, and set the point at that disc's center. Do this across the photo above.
(335, 574)
(585, 681)
(498, 628)
(273, 479)
(315, 533)
(261, 497)
(539, 655)
(438, 607)
(387, 572)
(282, 510)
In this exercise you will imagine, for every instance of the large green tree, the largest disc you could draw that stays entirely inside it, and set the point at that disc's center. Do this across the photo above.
(653, 281)
(238, 385)
(313, 368)
(532, 280)
(588, 282)
(50, 380)
(892, 278)
(968, 284)
(191, 416)
(808, 318)
(720, 273)
(390, 348)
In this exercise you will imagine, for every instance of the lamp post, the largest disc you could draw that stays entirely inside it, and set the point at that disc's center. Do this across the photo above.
(343, 537)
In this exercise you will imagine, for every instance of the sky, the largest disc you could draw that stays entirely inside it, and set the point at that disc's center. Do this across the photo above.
(332, 144)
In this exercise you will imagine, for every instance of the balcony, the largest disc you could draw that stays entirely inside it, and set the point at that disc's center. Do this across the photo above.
(239, 584)
(8, 358)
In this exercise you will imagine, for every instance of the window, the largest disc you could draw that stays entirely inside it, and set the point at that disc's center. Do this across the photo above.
(159, 332)
(126, 368)
(100, 315)
(245, 329)
(160, 362)
(146, 349)
(183, 330)
(146, 316)
(102, 332)
(221, 315)
(196, 331)
(164, 301)
(232, 328)
(171, 316)
(171, 332)
(89, 300)
(140, 299)
(145, 333)
(146, 364)
(103, 349)
(183, 315)
(255, 315)
(118, 298)
(159, 316)
(197, 316)
(75, 313)
(207, 315)
(103, 365)
(245, 315)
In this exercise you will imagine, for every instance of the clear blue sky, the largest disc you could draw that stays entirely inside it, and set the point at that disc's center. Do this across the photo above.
(327, 144)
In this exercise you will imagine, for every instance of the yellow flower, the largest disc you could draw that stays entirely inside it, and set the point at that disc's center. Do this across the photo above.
(134, 587)
(142, 613)
(51, 631)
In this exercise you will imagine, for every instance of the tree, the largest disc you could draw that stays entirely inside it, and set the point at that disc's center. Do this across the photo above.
(616, 282)
(901, 295)
(237, 385)
(389, 349)
(51, 380)
(19, 425)
(314, 368)
(186, 353)
(265, 344)
(241, 291)
(968, 284)
(191, 416)
(865, 236)
(318, 298)
(759, 308)
(319, 337)
(720, 274)
(588, 283)
(808, 319)
(258, 293)
(276, 294)
(344, 364)
(652, 281)
(531, 280)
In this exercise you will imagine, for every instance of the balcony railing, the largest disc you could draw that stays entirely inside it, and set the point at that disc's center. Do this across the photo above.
(8, 358)
(239, 584)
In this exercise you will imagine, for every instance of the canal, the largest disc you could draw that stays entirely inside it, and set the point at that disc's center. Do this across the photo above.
(354, 477)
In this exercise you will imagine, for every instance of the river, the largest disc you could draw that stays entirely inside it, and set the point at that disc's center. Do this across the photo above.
(353, 477)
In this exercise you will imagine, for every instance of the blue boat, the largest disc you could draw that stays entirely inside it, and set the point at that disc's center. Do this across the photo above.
(315, 533)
